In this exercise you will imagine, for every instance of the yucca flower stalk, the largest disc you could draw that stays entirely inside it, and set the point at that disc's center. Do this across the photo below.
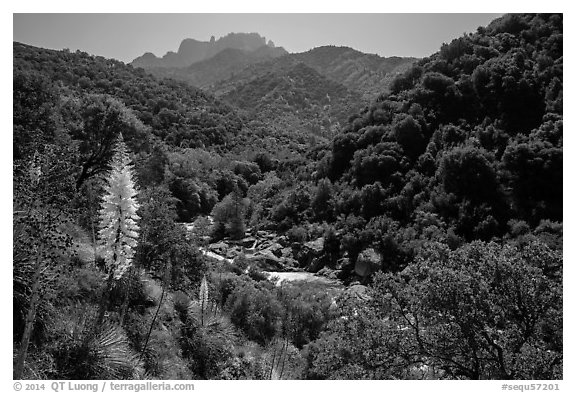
(118, 232)
(118, 219)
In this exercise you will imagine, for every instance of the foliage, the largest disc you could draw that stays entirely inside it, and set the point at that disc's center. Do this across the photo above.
(98, 120)
(229, 217)
(180, 114)
(443, 196)
(107, 354)
(208, 335)
(481, 312)
(256, 311)
(41, 244)
(163, 241)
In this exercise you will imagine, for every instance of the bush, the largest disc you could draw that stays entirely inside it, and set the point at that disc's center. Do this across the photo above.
(255, 311)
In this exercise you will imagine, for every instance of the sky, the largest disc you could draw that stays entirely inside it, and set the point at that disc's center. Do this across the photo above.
(127, 36)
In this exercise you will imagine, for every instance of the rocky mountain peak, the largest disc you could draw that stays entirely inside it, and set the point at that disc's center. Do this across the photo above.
(192, 51)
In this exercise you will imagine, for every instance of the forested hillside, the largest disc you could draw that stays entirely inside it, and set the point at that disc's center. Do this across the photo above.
(296, 98)
(469, 140)
(368, 75)
(175, 112)
(157, 227)
(224, 65)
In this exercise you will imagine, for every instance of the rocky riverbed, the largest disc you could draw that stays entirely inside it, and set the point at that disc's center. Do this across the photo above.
(275, 255)
(284, 262)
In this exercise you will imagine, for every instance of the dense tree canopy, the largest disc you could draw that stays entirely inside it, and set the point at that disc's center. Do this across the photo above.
(434, 212)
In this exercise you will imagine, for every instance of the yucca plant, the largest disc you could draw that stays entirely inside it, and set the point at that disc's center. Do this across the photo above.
(113, 357)
(81, 354)
(208, 339)
(208, 316)
(118, 221)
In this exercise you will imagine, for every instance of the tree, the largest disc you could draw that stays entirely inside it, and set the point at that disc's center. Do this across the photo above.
(164, 249)
(408, 134)
(229, 216)
(39, 239)
(118, 219)
(102, 119)
(534, 171)
(322, 205)
(483, 311)
(35, 100)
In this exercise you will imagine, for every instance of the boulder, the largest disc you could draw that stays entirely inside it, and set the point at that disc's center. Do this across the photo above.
(309, 255)
(269, 256)
(248, 242)
(315, 246)
(315, 265)
(232, 253)
(367, 263)
(275, 249)
(326, 272)
(290, 263)
(265, 260)
(264, 244)
(359, 291)
(286, 252)
(283, 240)
(220, 248)
(342, 263)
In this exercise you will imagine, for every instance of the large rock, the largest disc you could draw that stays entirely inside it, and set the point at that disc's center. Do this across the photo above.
(359, 291)
(275, 249)
(315, 246)
(283, 240)
(343, 263)
(248, 242)
(328, 273)
(233, 253)
(220, 248)
(286, 252)
(368, 262)
(265, 260)
(310, 253)
(290, 263)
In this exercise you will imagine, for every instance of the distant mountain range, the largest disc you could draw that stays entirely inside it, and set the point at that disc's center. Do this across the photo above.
(313, 92)
(368, 74)
(192, 51)
(221, 65)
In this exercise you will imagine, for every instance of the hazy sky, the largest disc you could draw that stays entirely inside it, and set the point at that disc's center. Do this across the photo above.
(127, 36)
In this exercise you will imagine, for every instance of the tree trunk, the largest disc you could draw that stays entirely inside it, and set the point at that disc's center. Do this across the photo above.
(164, 284)
(124, 308)
(273, 360)
(106, 295)
(91, 202)
(30, 318)
(284, 358)
(104, 300)
(83, 176)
